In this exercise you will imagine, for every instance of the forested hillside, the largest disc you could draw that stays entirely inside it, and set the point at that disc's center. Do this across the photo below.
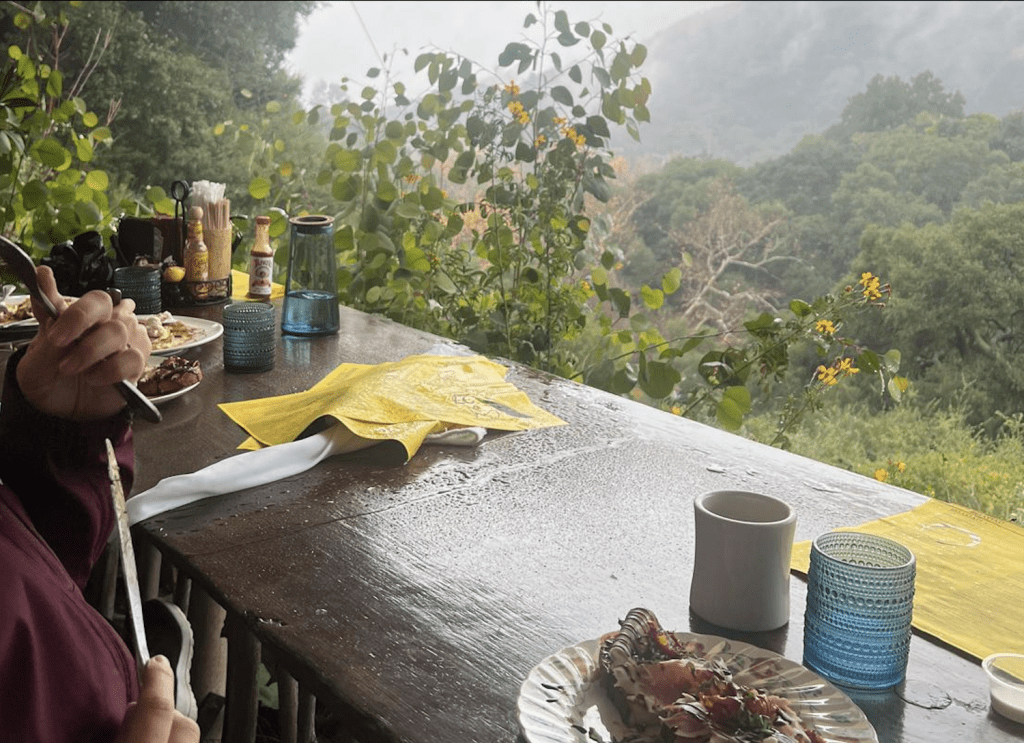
(746, 81)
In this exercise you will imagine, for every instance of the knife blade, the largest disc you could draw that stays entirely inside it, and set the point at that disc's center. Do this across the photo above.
(21, 264)
(128, 566)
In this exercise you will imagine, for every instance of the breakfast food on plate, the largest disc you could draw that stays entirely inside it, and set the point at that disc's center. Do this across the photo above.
(172, 375)
(166, 332)
(668, 690)
(14, 311)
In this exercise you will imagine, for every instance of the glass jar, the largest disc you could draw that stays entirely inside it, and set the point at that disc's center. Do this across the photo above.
(311, 288)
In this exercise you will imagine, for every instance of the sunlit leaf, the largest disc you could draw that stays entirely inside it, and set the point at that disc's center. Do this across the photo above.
(259, 188)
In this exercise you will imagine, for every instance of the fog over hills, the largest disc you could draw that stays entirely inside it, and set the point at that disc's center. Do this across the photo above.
(746, 81)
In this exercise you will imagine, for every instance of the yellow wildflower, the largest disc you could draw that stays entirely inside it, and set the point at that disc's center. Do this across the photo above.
(827, 375)
(676, 410)
(881, 475)
(871, 284)
(512, 88)
(539, 141)
(846, 367)
(825, 327)
(901, 466)
(558, 120)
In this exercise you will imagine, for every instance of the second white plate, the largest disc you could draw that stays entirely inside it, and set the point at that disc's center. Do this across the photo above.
(562, 699)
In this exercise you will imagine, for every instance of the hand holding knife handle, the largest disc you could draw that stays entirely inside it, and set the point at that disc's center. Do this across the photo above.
(21, 264)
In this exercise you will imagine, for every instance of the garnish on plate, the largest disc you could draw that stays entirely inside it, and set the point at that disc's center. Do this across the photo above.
(173, 374)
(668, 690)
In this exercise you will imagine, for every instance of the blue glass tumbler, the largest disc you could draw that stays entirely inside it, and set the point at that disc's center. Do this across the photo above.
(250, 337)
(141, 284)
(860, 602)
(311, 288)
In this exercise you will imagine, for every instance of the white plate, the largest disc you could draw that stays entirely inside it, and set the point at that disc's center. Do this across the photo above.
(155, 361)
(562, 699)
(164, 398)
(208, 330)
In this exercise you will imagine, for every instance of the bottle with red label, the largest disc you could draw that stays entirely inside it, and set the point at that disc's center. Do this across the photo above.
(261, 262)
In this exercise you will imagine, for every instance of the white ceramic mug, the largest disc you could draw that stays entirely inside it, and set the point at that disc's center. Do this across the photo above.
(742, 547)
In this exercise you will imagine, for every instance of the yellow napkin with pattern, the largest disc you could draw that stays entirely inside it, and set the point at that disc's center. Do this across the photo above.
(969, 590)
(240, 286)
(403, 400)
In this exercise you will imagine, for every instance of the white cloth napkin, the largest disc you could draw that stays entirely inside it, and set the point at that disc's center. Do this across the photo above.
(259, 467)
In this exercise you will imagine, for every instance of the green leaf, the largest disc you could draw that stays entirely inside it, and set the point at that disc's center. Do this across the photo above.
(671, 281)
(735, 403)
(259, 188)
(97, 180)
(892, 360)
(800, 308)
(621, 300)
(34, 194)
(416, 259)
(51, 153)
(653, 298)
(599, 276)
(897, 386)
(348, 160)
(623, 381)
(561, 94)
(658, 378)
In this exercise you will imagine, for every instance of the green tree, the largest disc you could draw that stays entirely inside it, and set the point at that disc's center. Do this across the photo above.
(956, 316)
(889, 102)
(165, 73)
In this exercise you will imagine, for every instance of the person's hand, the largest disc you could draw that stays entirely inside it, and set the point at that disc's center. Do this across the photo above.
(153, 719)
(70, 366)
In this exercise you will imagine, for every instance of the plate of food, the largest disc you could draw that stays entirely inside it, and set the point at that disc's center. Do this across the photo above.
(643, 684)
(17, 308)
(170, 334)
(168, 377)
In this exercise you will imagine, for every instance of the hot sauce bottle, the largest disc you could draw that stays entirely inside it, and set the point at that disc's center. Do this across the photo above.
(261, 262)
(197, 257)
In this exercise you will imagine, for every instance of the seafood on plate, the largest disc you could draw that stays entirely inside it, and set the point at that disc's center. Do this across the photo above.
(667, 689)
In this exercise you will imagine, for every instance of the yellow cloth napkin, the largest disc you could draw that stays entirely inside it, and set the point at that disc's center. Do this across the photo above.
(404, 401)
(240, 286)
(969, 590)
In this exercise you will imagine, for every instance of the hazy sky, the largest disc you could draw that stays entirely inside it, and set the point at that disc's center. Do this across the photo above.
(344, 38)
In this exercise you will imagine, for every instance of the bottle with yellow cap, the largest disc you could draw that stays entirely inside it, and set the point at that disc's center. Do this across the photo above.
(197, 256)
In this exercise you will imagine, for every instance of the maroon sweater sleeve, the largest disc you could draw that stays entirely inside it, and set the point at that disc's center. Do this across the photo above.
(58, 468)
(65, 674)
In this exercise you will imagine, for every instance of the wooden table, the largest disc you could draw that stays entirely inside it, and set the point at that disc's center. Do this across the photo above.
(413, 599)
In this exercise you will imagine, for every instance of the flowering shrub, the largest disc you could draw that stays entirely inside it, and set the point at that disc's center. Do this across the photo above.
(464, 214)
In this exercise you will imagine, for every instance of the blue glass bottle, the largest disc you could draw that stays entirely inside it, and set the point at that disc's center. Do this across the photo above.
(311, 287)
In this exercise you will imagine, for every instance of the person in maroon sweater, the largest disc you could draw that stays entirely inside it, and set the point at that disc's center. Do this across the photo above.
(65, 673)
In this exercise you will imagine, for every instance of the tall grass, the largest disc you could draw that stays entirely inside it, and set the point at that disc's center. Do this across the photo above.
(926, 450)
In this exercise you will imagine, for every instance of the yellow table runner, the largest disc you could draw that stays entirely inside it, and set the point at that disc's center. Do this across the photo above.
(404, 401)
(240, 286)
(969, 590)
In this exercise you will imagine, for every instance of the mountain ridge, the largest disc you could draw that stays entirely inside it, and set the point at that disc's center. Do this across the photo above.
(746, 81)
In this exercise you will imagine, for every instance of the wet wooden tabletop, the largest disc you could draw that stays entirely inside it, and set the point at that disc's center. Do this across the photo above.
(414, 598)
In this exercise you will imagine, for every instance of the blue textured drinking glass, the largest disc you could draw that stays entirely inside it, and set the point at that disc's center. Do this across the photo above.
(860, 602)
(311, 287)
(141, 284)
(250, 337)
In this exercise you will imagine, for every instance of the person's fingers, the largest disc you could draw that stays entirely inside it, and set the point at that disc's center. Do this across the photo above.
(48, 286)
(151, 719)
(183, 730)
(75, 321)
